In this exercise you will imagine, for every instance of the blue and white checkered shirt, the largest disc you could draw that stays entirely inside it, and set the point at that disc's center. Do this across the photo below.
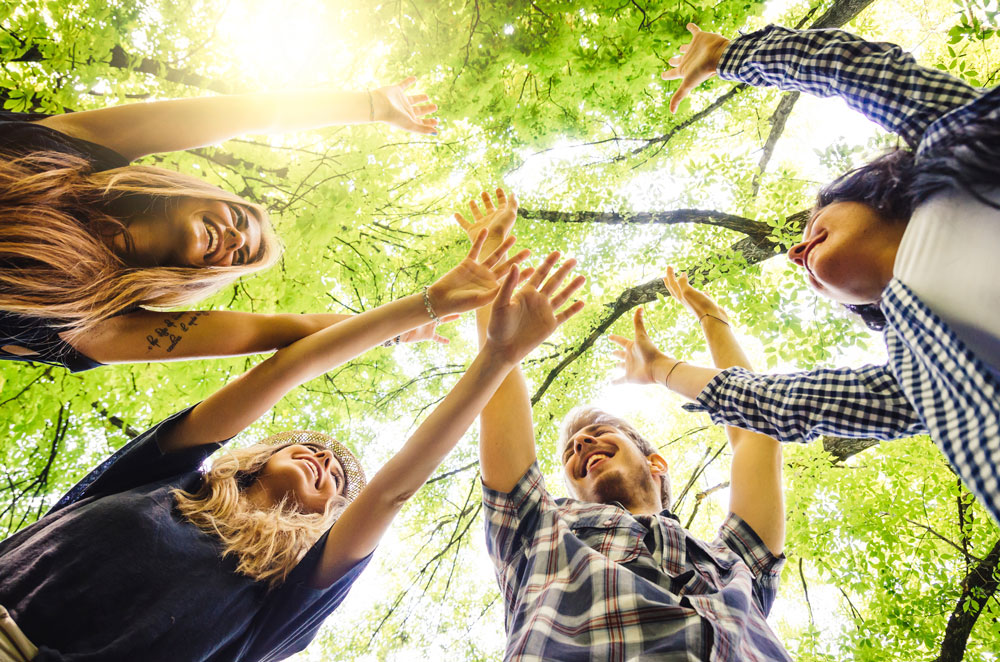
(933, 384)
(590, 581)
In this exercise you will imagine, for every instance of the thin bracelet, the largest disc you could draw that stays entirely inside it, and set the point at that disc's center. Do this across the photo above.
(666, 382)
(371, 106)
(713, 317)
(392, 342)
(429, 307)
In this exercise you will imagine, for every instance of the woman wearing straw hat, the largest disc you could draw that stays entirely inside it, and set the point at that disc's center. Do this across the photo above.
(149, 558)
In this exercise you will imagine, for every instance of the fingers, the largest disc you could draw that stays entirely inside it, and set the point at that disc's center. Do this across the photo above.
(500, 251)
(618, 354)
(418, 98)
(423, 110)
(569, 312)
(506, 289)
(406, 82)
(440, 339)
(670, 282)
(639, 324)
(671, 74)
(620, 340)
(487, 202)
(543, 270)
(558, 300)
(517, 259)
(557, 278)
(448, 318)
(679, 95)
(693, 29)
(477, 245)
(476, 214)
(465, 225)
(501, 198)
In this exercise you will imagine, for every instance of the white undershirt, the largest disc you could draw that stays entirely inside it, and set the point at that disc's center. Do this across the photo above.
(950, 257)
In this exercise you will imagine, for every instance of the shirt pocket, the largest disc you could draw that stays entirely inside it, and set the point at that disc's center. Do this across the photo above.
(614, 536)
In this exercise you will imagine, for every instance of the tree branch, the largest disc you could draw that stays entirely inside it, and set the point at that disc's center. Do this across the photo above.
(754, 249)
(777, 122)
(837, 15)
(719, 219)
(977, 588)
(842, 448)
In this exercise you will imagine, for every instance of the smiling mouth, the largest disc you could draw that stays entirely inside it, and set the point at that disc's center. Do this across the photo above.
(594, 460)
(213, 238)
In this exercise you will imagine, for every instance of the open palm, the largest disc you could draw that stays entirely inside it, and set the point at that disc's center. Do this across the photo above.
(405, 111)
(473, 282)
(521, 320)
(497, 219)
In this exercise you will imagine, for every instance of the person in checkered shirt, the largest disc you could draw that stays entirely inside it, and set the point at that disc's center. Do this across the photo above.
(611, 574)
(909, 241)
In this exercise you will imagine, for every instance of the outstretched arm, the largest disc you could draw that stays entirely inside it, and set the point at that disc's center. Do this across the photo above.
(519, 323)
(878, 79)
(756, 493)
(138, 129)
(170, 336)
(238, 404)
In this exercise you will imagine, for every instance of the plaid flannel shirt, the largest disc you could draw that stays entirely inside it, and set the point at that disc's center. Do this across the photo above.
(933, 384)
(591, 581)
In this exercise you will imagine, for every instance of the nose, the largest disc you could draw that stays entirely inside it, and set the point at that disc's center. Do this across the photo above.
(324, 457)
(797, 254)
(582, 441)
(233, 239)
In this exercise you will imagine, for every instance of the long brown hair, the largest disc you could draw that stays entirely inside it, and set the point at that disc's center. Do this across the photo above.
(56, 217)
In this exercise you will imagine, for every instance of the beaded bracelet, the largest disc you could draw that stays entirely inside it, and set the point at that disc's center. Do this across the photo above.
(392, 342)
(430, 309)
(713, 317)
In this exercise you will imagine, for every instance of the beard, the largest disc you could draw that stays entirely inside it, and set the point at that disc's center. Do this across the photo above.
(628, 486)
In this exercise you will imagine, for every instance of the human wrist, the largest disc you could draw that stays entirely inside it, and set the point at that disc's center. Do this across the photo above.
(717, 51)
(662, 369)
(501, 356)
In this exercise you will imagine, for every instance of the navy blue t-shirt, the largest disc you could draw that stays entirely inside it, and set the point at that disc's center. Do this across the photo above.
(21, 135)
(114, 573)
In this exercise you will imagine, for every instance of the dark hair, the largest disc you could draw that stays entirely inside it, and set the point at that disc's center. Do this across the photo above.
(896, 183)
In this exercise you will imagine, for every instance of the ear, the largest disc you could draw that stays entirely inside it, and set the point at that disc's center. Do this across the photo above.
(657, 465)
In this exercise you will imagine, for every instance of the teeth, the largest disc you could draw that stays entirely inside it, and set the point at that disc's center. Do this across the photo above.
(213, 238)
(594, 458)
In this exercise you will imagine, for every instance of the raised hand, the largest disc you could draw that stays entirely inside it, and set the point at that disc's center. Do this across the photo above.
(700, 304)
(497, 220)
(428, 331)
(697, 63)
(393, 106)
(474, 282)
(521, 320)
(642, 362)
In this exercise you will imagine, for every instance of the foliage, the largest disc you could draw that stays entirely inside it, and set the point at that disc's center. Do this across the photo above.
(563, 104)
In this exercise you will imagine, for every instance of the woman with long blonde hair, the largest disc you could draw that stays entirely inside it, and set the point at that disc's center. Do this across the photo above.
(90, 245)
(151, 559)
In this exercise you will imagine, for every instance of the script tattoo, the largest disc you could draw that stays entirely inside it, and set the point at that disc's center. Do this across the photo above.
(173, 329)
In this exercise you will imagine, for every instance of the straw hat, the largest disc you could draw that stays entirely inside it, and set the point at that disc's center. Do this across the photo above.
(353, 472)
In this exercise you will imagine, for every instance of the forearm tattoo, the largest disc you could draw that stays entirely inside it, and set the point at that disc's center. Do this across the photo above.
(172, 331)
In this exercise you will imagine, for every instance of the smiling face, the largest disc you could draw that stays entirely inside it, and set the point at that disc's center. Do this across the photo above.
(848, 251)
(308, 475)
(192, 232)
(602, 464)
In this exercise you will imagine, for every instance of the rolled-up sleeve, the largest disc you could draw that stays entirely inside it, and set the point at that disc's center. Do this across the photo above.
(765, 566)
(877, 79)
(803, 406)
